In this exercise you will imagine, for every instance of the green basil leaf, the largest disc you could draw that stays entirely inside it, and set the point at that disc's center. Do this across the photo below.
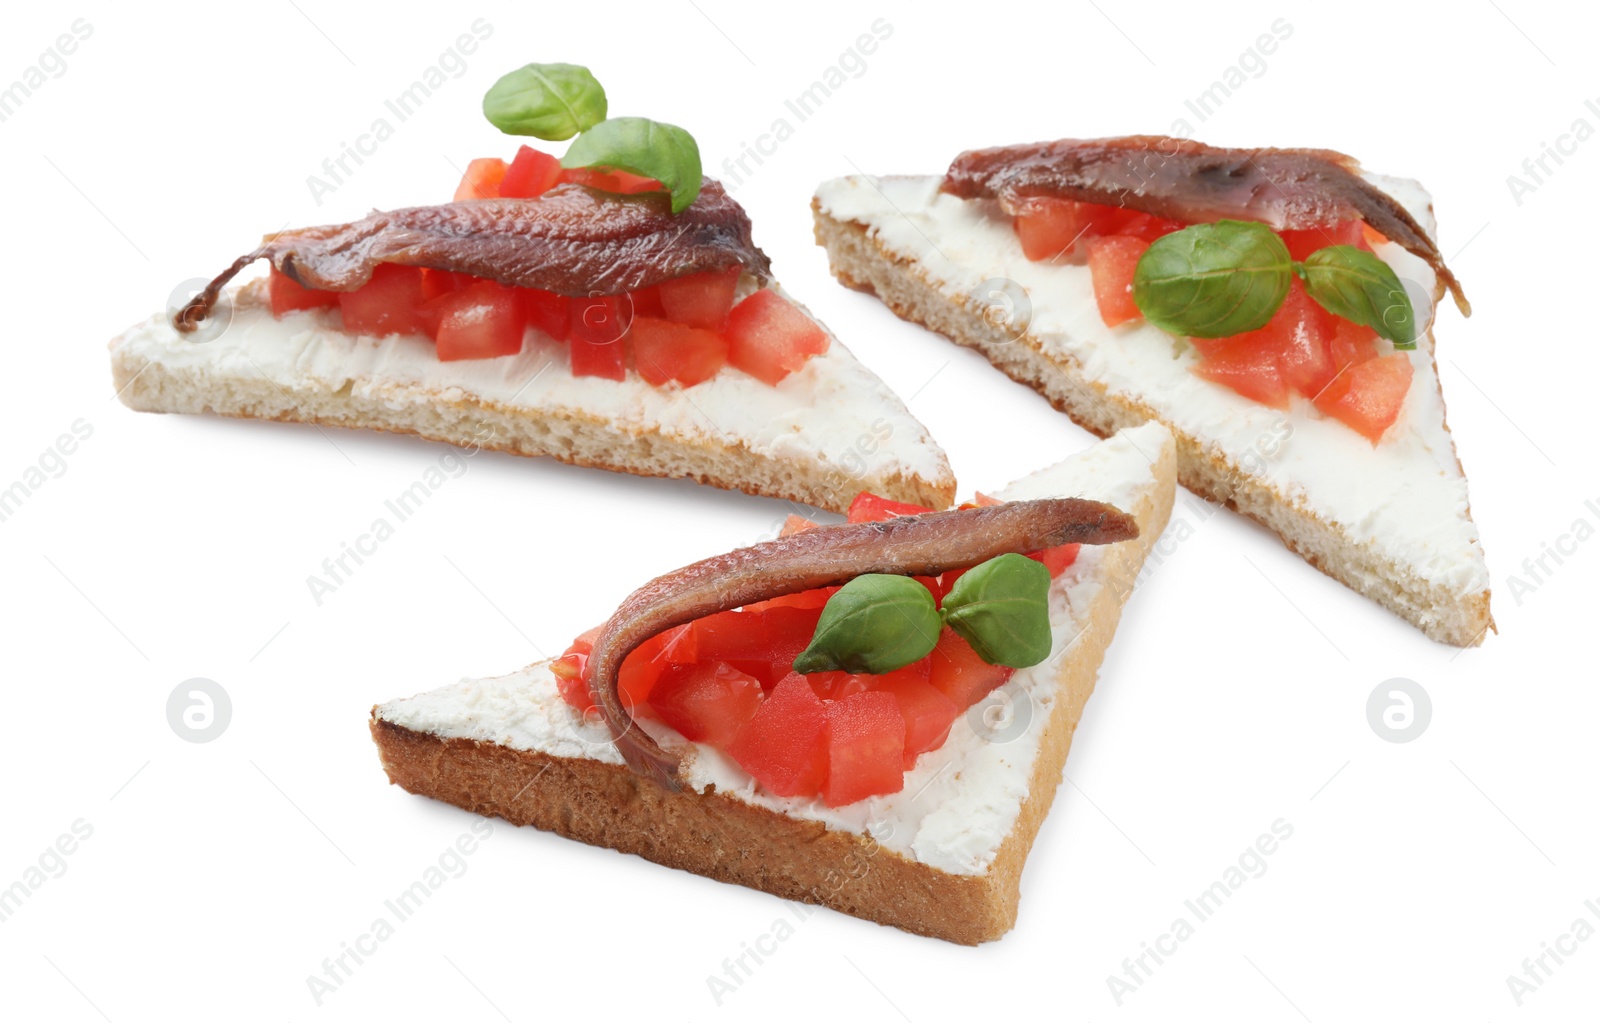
(1213, 280)
(548, 101)
(874, 624)
(1002, 609)
(639, 145)
(1362, 288)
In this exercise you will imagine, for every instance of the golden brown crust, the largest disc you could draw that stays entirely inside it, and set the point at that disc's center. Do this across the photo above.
(730, 840)
(861, 261)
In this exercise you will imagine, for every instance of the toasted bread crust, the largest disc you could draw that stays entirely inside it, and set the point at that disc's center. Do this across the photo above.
(860, 260)
(569, 435)
(729, 840)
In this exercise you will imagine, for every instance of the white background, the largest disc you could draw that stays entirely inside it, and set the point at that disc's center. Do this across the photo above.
(220, 875)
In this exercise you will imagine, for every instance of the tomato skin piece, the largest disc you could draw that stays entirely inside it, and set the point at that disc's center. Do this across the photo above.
(598, 331)
(482, 179)
(530, 175)
(665, 351)
(707, 703)
(701, 300)
(956, 670)
(1369, 396)
(386, 304)
(769, 337)
(548, 313)
(869, 507)
(286, 295)
(784, 745)
(481, 321)
(866, 748)
(618, 181)
(1112, 260)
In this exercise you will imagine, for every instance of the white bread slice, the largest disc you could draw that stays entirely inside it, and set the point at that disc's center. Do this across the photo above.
(827, 432)
(943, 857)
(1391, 522)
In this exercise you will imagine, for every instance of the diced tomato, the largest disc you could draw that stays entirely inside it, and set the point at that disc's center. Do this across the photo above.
(386, 304)
(597, 331)
(636, 679)
(836, 685)
(1371, 238)
(1149, 227)
(700, 300)
(1368, 396)
(442, 282)
(647, 302)
(547, 312)
(706, 702)
(571, 671)
(665, 351)
(808, 600)
(1304, 242)
(481, 321)
(530, 175)
(762, 643)
(1303, 331)
(866, 748)
(482, 179)
(928, 713)
(1351, 344)
(769, 337)
(784, 746)
(796, 524)
(981, 500)
(956, 670)
(1048, 227)
(286, 295)
(869, 507)
(1057, 559)
(611, 181)
(1248, 364)
(1112, 260)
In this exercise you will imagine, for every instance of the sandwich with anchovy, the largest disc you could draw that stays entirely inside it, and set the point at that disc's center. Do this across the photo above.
(1272, 307)
(871, 716)
(608, 309)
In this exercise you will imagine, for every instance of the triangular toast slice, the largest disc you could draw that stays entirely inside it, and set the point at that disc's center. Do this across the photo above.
(827, 430)
(1390, 520)
(943, 857)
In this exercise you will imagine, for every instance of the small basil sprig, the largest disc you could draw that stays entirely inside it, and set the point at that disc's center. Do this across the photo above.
(548, 101)
(1363, 289)
(1213, 280)
(639, 145)
(880, 623)
(1231, 277)
(874, 624)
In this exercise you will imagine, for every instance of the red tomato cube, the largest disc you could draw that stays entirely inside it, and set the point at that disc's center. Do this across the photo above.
(808, 600)
(481, 321)
(1247, 364)
(784, 745)
(647, 302)
(597, 331)
(706, 702)
(442, 282)
(928, 712)
(869, 507)
(1056, 559)
(1112, 260)
(1351, 343)
(1304, 242)
(700, 300)
(866, 748)
(1048, 227)
(769, 337)
(482, 179)
(548, 313)
(836, 685)
(530, 175)
(956, 670)
(664, 351)
(1149, 227)
(386, 304)
(1368, 396)
(286, 295)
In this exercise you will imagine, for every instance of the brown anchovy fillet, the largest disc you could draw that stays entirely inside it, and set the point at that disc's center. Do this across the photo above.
(1287, 189)
(572, 240)
(825, 556)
